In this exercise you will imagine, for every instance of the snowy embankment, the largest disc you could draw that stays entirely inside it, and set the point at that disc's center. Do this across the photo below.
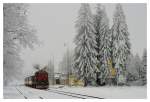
(125, 92)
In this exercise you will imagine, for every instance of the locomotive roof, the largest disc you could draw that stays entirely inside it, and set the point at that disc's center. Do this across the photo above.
(41, 71)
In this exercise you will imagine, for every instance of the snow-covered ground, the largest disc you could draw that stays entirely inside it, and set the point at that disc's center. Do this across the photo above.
(12, 92)
(132, 92)
(15, 92)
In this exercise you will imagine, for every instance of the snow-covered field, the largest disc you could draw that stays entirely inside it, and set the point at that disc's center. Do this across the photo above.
(15, 92)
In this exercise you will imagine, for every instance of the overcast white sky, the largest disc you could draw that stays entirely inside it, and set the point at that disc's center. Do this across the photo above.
(55, 26)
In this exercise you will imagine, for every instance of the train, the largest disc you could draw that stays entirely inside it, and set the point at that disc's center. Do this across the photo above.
(39, 80)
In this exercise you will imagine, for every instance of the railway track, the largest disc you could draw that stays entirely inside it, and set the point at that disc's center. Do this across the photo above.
(26, 97)
(75, 95)
(32, 95)
(21, 93)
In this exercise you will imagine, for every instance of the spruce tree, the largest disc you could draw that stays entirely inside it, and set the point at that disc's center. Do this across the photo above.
(85, 61)
(103, 42)
(144, 68)
(137, 65)
(120, 44)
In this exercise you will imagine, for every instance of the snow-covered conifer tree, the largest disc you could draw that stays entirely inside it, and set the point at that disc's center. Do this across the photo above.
(144, 68)
(85, 61)
(120, 44)
(103, 42)
(133, 66)
(137, 65)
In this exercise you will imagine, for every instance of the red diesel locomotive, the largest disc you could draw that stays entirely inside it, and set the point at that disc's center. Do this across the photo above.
(39, 80)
